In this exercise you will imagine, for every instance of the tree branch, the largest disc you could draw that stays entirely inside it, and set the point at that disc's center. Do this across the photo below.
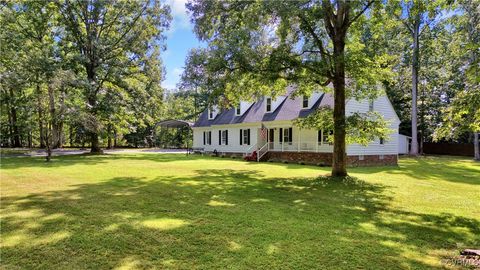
(409, 28)
(367, 6)
(319, 43)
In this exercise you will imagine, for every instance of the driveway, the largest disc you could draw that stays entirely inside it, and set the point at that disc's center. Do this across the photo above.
(24, 152)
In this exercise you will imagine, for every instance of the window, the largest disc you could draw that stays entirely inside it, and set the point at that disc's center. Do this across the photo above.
(370, 106)
(326, 135)
(245, 136)
(269, 104)
(210, 114)
(238, 110)
(361, 157)
(381, 140)
(381, 157)
(319, 137)
(330, 133)
(287, 135)
(224, 137)
(305, 102)
(207, 138)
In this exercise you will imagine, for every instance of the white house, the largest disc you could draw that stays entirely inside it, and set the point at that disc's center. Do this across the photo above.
(266, 126)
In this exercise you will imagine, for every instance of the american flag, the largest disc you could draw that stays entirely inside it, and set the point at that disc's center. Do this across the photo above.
(263, 132)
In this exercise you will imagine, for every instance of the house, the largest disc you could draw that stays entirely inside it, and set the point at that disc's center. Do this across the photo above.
(266, 126)
(404, 144)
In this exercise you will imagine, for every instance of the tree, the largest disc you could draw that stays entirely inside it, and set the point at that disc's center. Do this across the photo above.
(113, 39)
(463, 114)
(260, 47)
(416, 16)
(193, 80)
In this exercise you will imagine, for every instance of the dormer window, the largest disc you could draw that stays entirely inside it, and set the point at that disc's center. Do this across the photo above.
(238, 110)
(210, 114)
(305, 102)
(269, 104)
(370, 106)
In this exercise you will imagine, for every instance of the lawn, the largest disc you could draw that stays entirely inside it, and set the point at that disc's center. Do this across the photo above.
(130, 211)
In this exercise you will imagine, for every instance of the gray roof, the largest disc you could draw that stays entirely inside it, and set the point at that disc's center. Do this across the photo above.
(172, 123)
(289, 109)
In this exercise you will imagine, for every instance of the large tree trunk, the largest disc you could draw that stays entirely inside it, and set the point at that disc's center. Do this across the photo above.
(115, 139)
(40, 118)
(29, 139)
(109, 134)
(48, 142)
(10, 127)
(476, 147)
(59, 135)
(415, 68)
(92, 101)
(59, 138)
(94, 138)
(52, 124)
(339, 166)
(15, 130)
(70, 136)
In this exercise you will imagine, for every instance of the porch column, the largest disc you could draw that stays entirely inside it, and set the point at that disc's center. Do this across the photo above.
(298, 150)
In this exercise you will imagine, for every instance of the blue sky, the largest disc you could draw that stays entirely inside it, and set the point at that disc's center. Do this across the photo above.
(180, 39)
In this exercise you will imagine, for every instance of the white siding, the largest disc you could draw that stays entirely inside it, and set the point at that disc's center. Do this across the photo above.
(215, 111)
(383, 106)
(403, 142)
(244, 106)
(313, 98)
(275, 103)
(198, 137)
(233, 138)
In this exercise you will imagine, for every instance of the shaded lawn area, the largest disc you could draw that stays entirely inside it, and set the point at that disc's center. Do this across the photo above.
(171, 211)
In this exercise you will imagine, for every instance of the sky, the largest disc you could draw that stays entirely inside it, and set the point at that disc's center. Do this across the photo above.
(180, 39)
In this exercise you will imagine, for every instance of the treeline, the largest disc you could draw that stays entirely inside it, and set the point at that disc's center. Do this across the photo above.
(81, 73)
(88, 73)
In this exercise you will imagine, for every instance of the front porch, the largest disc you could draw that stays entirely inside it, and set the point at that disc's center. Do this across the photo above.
(291, 139)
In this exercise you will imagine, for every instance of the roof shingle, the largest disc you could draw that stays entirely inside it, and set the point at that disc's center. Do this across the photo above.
(289, 109)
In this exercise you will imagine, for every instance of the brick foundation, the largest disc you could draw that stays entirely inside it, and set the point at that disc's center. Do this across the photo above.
(325, 159)
(319, 159)
(312, 158)
(372, 160)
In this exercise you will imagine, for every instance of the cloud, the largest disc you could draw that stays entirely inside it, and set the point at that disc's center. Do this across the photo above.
(177, 71)
(172, 78)
(180, 16)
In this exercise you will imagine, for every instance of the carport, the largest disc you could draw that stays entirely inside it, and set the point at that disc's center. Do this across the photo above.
(180, 126)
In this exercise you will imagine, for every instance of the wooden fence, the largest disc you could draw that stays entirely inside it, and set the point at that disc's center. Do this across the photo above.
(454, 149)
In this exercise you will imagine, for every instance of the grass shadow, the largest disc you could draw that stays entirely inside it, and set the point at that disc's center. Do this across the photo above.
(223, 219)
(440, 168)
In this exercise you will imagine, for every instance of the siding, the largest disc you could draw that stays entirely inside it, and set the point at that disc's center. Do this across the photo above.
(383, 106)
(233, 138)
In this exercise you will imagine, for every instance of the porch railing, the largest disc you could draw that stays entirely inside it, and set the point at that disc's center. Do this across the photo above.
(302, 146)
(250, 150)
(262, 151)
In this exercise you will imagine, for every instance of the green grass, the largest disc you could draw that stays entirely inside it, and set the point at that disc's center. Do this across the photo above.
(13, 151)
(131, 211)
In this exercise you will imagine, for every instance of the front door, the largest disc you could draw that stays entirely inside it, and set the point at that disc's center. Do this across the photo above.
(271, 137)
